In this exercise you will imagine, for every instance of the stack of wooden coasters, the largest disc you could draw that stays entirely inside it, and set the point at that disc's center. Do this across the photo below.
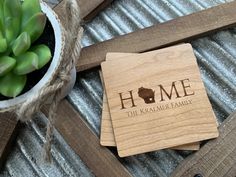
(155, 100)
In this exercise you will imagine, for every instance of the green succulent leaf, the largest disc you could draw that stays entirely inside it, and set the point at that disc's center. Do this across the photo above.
(1, 15)
(1, 7)
(6, 65)
(3, 43)
(12, 19)
(21, 24)
(2, 29)
(43, 53)
(12, 8)
(21, 44)
(26, 63)
(30, 8)
(11, 85)
(35, 26)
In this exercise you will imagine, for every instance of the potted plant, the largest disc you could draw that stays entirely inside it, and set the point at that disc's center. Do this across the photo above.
(31, 49)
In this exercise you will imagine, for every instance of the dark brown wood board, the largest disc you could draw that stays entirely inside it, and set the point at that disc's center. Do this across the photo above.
(96, 10)
(179, 30)
(216, 158)
(85, 143)
(88, 9)
(8, 124)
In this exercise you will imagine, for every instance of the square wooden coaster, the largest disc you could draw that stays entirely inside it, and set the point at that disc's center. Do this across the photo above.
(106, 134)
(157, 100)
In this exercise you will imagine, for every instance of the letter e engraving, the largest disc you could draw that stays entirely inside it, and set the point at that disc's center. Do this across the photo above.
(186, 86)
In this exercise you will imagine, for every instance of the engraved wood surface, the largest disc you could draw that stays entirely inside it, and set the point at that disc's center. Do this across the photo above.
(216, 158)
(107, 134)
(85, 143)
(175, 31)
(138, 131)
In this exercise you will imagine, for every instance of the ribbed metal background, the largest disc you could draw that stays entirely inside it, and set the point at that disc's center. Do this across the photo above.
(216, 56)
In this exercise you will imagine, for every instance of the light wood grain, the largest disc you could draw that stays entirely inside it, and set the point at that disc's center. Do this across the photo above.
(159, 129)
(216, 158)
(181, 29)
(85, 143)
(106, 133)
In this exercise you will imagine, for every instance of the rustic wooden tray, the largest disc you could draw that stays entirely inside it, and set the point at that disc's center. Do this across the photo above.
(88, 139)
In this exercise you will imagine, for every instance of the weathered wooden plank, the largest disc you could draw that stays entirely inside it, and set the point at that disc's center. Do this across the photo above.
(88, 9)
(96, 10)
(181, 29)
(8, 124)
(85, 143)
(88, 6)
(216, 158)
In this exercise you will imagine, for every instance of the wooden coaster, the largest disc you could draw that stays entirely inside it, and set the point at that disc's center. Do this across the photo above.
(107, 135)
(157, 100)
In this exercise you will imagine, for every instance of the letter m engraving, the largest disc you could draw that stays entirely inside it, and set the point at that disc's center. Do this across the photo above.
(169, 95)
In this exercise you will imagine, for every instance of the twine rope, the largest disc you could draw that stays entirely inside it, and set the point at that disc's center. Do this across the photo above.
(73, 33)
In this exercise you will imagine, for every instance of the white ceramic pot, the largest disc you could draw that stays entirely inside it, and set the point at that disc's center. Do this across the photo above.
(59, 47)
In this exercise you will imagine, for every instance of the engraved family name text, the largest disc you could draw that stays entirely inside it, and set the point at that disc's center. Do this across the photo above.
(148, 95)
(158, 108)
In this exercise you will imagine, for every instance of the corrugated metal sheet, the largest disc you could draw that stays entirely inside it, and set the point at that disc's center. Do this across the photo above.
(216, 56)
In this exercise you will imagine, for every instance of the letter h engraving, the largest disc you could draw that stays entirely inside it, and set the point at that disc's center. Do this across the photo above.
(128, 98)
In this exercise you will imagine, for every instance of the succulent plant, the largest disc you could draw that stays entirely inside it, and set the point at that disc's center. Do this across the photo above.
(21, 24)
